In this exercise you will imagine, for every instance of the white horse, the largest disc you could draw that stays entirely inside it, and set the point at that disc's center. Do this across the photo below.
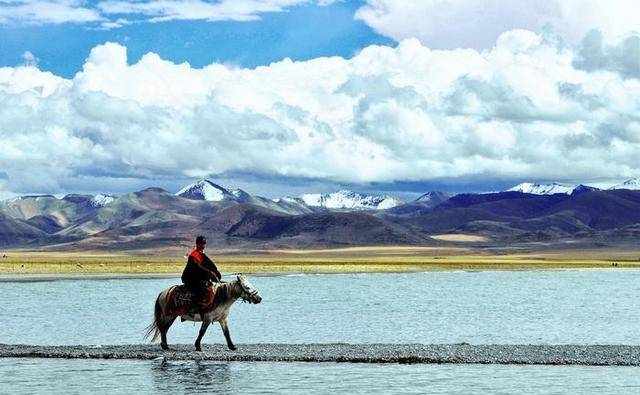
(225, 295)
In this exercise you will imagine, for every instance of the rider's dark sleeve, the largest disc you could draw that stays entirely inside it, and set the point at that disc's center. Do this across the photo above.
(188, 274)
(208, 264)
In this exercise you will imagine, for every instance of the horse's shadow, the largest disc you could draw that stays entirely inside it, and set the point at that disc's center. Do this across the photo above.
(192, 376)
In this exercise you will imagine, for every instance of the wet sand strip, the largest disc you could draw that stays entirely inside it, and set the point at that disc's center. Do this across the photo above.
(593, 355)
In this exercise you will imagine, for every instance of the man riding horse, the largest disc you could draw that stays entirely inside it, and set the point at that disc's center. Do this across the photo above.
(200, 270)
(208, 304)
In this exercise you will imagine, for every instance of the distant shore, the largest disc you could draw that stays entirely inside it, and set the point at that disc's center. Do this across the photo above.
(40, 265)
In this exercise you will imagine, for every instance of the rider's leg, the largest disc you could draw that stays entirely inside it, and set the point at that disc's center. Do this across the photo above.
(202, 299)
(196, 296)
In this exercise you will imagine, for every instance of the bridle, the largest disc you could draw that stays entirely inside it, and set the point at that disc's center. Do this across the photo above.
(246, 294)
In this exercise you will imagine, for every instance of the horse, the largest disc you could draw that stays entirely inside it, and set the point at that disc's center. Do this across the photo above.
(168, 307)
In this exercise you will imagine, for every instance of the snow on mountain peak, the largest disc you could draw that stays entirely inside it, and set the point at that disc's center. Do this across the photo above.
(289, 199)
(542, 189)
(240, 195)
(388, 202)
(633, 183)
(101, 200)
(345, 199)
(582, 189)
(205, 190)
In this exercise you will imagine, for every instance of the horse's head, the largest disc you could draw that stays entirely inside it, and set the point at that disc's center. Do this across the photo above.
(248, 292)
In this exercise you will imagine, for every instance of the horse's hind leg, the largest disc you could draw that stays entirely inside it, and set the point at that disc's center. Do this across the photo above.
(164, 328)
(203, 329)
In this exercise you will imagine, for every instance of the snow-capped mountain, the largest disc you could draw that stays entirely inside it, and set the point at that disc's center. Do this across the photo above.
(583, 188)
(633, 183)
(101, 200)
(349, 200)
(341, 200)
(289, 199)
(206, 190)
(542, 189)
(240, 195)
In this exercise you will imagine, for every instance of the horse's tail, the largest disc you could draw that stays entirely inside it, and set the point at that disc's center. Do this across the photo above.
(154, 328)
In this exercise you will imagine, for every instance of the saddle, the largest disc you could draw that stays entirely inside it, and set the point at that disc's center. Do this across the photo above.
(182, 300)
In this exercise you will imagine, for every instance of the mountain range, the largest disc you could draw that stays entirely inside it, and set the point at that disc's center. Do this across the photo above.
(555, 187)
(528, 215)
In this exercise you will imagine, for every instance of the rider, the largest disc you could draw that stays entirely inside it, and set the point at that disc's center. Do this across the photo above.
(199, 270)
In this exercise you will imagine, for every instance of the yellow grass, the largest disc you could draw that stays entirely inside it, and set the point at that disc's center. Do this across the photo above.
(343, 260)
(460, 237)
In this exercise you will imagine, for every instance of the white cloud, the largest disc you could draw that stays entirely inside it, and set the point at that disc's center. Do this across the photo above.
(528, 108)
(113, 14)
(165, 10)
(477, 23)
(46, 12)
(118, 23)
(29, 59)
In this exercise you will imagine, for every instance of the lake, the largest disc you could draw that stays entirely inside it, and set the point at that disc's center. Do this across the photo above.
(32, 376)
(504, 307)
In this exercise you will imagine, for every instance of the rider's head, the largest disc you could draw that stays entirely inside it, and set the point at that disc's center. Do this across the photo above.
(201, 242)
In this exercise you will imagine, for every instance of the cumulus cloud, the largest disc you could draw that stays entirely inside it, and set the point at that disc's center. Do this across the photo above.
(477, 23)
(528, 108)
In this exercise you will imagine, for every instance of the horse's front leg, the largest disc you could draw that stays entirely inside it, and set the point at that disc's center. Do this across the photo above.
(203, 329)
(227, 336)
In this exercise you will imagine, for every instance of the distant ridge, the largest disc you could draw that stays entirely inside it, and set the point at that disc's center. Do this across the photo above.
(433, 197)
(232, 218)
(582, 189)
(556, 187)
(632, 184)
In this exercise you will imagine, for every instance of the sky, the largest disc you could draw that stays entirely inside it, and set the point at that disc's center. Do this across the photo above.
(294, 96)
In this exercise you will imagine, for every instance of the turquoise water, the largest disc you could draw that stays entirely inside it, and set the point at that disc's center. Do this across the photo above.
(585, 307)
(29, 376)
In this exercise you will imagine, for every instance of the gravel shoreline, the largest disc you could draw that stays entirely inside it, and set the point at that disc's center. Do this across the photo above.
(592, 355)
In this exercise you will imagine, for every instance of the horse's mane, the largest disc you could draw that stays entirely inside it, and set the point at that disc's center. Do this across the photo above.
(222, 290)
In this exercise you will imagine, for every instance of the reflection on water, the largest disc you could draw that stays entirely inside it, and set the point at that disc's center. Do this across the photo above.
(191, 376)
(47, 376)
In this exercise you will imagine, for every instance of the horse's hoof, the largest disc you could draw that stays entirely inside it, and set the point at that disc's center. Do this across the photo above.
(198, 348)
(232, 347)
(165, 347)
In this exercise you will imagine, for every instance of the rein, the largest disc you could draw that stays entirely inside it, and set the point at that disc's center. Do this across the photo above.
(235, 284)
(243, 294)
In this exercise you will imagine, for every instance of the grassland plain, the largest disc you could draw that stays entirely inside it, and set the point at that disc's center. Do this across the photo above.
(338, 260)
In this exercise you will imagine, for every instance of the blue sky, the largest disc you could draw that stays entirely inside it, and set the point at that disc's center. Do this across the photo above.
(301, 32)
(398, 96)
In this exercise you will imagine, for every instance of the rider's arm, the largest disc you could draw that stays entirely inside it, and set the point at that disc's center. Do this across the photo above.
(210, 266)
